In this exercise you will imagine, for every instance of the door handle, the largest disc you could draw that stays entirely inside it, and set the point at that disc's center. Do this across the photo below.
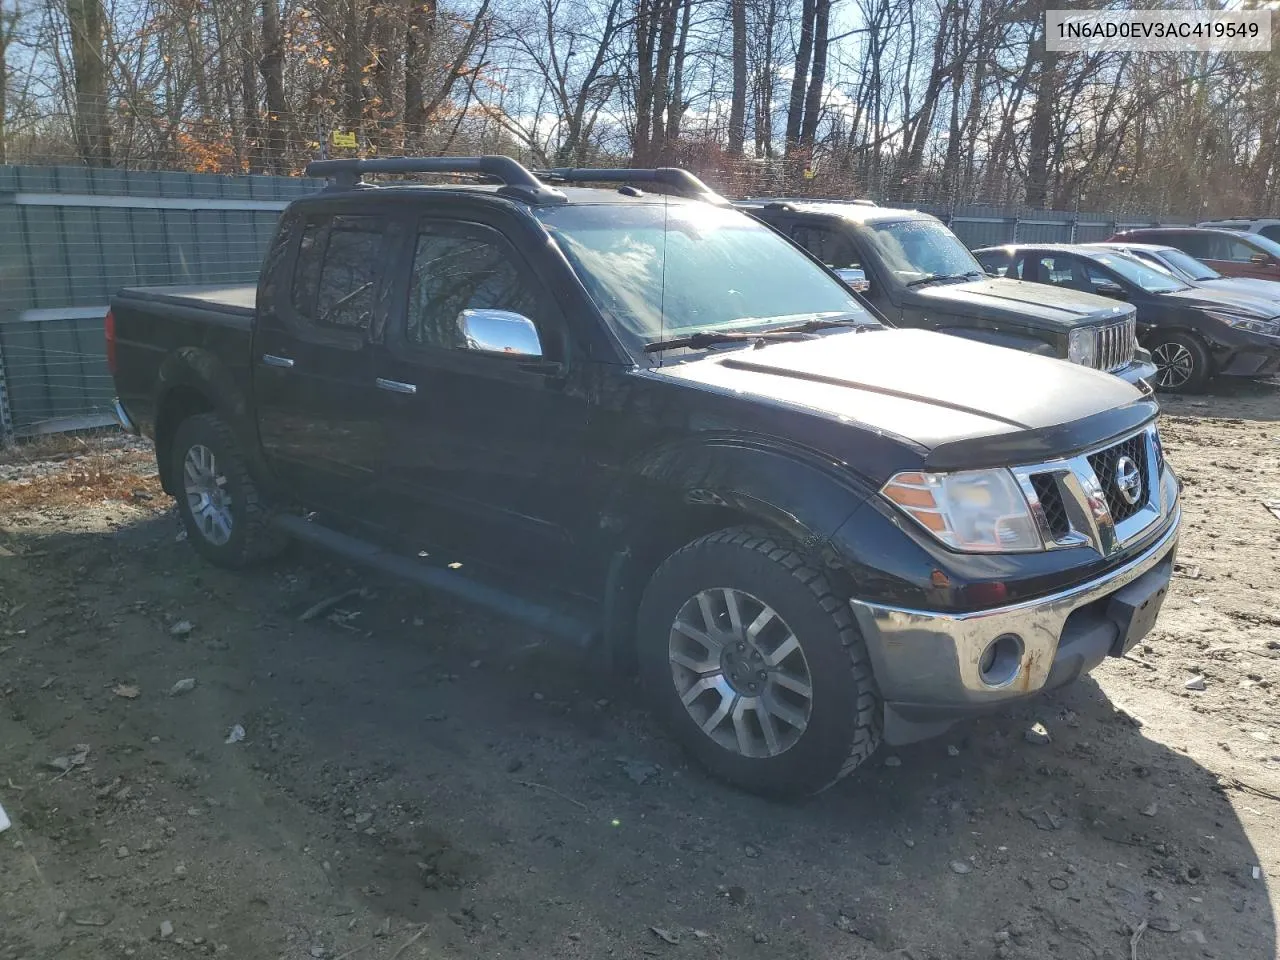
(271, 360)
(395, 386)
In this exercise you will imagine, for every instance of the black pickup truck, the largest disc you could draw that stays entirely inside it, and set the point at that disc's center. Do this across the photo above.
(642, 420)
(916, 273)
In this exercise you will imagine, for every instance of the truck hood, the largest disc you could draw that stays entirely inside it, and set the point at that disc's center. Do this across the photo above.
(959, 401)
(1036, 305)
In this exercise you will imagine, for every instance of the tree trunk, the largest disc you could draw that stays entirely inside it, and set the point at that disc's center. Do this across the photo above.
(5, 27)
(818, 80)
(662, 77)
(646, 36)
(88, 61)
(795, 109)
(353, 50)
(272, 69)
(675, 102)
(738, 98)
(764, 109)
(1040, 135)
(418, 43)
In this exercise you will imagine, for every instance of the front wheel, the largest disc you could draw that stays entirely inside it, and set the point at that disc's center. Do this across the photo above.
(222, 510)
(1182, 362)
(757, 665)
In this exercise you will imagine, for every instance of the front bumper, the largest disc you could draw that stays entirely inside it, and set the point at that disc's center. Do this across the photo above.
(928, 665)
(1138, 372)
(1250, 363)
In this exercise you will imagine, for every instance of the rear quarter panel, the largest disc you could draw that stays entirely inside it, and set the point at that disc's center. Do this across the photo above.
(166, 345)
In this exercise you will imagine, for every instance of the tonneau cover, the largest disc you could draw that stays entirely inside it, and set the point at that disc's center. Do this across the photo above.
(237, 298)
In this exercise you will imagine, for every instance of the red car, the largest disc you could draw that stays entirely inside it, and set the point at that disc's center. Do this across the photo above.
(1233, 253)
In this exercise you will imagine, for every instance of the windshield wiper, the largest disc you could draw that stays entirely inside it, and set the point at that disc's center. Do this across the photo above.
(930, 278)
(708, 338)
(927, 278)
(822, 323)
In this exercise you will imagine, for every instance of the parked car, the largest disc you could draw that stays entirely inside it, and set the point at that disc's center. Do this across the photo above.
(1193, 334)
(651, 425)
(1268, 227)
(1230, 252)
(916, 273)
(1190, 270)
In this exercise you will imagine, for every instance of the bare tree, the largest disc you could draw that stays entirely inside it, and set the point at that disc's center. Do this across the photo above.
(88, 61)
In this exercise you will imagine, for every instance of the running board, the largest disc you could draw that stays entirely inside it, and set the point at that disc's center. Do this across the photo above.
(579, 629)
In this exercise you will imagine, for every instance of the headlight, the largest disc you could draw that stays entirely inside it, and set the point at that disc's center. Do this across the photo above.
(974, 511)
(1082, 346)
(1251, 324)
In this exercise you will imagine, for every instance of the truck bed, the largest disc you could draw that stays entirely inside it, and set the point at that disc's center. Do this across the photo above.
(210, 327)
(232, 300)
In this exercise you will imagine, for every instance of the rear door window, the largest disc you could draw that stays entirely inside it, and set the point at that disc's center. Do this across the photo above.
(338, 268)
(832, 247)
(1199, 245)
(1237, 251)
(1271, 231)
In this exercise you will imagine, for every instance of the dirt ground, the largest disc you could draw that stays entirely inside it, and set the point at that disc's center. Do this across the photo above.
(417, 779)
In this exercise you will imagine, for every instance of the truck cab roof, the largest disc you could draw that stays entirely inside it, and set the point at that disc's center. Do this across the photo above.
(571, 196)
(850, 211)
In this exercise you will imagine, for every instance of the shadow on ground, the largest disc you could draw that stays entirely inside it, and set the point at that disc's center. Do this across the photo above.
(412, 759)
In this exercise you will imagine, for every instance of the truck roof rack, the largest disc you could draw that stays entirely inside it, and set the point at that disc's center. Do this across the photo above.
(517, 182)
(680, 181)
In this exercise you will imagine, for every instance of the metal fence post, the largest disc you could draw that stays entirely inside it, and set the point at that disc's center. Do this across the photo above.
(6, 418)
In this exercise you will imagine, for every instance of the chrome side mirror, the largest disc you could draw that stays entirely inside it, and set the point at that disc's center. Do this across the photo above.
(853, 277)
(500, 332)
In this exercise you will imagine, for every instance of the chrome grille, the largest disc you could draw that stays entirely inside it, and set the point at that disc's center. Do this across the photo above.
(1105, 463)
(1055, 511)
(1116, 342)
(1080, 501)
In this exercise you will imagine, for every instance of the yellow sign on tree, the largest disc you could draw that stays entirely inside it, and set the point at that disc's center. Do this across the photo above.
(340, 139)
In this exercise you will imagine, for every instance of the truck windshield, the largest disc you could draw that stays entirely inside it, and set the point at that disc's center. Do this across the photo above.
(663, 270)
(921, 250)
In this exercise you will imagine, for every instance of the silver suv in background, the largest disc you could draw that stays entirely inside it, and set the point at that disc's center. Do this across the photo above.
(1268, 227)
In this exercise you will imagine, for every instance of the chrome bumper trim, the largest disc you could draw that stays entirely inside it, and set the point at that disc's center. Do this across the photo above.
(123, 418)
(933, 657)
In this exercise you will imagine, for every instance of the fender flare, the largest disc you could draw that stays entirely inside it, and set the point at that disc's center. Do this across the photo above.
(190, 372)
(677, 492)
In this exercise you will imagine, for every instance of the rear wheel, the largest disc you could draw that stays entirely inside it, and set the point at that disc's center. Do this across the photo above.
(224, 514)
(756, 664)
(1182, 362)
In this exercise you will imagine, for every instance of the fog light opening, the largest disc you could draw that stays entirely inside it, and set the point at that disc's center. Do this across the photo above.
(1001, 660)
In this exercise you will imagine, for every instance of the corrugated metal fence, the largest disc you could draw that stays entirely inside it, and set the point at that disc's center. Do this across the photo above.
(72, 236)
(985, 226)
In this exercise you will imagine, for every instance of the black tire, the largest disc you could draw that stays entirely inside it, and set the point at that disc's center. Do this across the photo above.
(251, 539)
(844, 720)
(1182, 361)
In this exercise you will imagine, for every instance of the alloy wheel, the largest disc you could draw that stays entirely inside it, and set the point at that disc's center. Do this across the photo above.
(207, 495)
(740, 672)
(1174, 365)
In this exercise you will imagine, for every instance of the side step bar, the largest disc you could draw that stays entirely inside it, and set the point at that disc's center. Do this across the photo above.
(579, 629)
